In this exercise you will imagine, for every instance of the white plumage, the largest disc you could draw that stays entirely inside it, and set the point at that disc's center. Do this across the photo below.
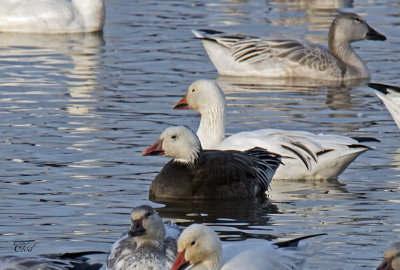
(304, 155)
(390, 95)
(199, 248)
(51, 16)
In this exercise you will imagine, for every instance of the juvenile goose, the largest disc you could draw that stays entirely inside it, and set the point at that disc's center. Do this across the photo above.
(209, 174)
(237, 55)
(199, 248)
(390, 95)
(150, 244)
(51, 16)
(66, 261)
(391, 259)
(304, 155)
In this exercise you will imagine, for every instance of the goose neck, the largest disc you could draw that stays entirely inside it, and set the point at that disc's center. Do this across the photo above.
(212, 128)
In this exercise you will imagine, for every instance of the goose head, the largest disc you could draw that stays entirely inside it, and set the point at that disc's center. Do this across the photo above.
(391, 259)
(202, 96)
(198, 248)
(146, 225)
(179, 143)
(349, 27)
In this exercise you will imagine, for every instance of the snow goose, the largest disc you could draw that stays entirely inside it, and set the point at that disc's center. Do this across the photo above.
(237, 55)
(200, 248)
(208, 174)
(150, 243)
(390, 95)
(51, 16)
(391, 259)
(65, 261)
(304, 155)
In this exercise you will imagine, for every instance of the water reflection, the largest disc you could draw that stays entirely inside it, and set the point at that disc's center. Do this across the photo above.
(235, 216)
(337, 93)
(318, 14)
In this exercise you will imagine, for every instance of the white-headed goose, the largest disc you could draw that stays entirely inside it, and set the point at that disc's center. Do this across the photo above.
(150, 243)
(304, 155)
(194, 173)
(199, 248)
(238, 55)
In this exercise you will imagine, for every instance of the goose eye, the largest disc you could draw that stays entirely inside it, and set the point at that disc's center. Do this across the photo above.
(173, 137)
(147, 214)
(357, 20)
(192, 244)
(193, 90)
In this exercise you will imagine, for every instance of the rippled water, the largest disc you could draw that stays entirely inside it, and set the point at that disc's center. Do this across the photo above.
(77, 110)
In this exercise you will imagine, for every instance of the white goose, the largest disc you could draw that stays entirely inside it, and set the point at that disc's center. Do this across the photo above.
(150, 243)
(237, 55)
(199, 248)
(51, 16)
(304, 155)
(391, 259)
(390, 95)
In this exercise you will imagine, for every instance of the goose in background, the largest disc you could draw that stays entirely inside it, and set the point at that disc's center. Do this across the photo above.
(200, 248)
(238, 55)
(194, 173)
(51, 16)
(65, 261)
(391, 259)
(150, 243)
(304, 155)
(390, 95)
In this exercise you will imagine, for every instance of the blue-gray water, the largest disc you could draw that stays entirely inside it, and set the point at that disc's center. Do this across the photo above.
(76, 111)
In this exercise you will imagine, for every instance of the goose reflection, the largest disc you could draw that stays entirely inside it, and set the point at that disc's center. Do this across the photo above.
(337, 93)
(72, 59)
(318, 14)
(234, 216)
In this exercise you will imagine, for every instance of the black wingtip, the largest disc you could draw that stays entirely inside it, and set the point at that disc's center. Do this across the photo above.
(384, 87)
(365, 139)
(295, 242)
(210, 31)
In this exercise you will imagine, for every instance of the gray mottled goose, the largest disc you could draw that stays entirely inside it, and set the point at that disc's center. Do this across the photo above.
(305, 155)
(194, 173)
(149, 245)
(391, 259)
(238, 55)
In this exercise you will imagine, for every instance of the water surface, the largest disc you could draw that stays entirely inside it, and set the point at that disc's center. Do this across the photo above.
(77, 110)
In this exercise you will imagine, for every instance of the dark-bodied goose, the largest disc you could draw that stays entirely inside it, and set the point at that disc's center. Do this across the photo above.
(304, 155)
(237, 55)
(209, 174)
(199, 248)
(51, 16)
(149, 245)
(390, 95)
(391, 259)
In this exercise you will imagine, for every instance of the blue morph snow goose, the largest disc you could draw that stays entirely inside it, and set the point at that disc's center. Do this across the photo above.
(194, 173)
